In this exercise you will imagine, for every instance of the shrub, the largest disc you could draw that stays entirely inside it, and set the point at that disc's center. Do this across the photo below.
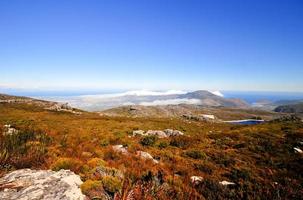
(111, 184)
(163, 145)
(148, 141)
(90, 185)
(195, 154)
(67, 163)
(203, 168)
(104, 142)
(181, 141)
(94, 162)
(237, 174)
(24, 148)
(224, 160)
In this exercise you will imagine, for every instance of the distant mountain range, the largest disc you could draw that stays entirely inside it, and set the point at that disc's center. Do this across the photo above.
(147, 98)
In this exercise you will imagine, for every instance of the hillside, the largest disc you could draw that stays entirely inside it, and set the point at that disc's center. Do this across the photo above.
(210, 161)
(290, 108)
(177, 111)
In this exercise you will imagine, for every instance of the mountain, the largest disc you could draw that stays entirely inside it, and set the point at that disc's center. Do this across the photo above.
(290, 108)
(149, 98)
(209, 99)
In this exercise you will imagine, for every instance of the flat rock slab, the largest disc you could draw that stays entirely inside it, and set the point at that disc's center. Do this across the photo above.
(27, 184)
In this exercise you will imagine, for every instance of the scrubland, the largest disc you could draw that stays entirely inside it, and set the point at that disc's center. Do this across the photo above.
(259, 159)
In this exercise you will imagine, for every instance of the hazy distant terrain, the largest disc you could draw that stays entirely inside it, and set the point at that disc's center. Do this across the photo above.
(149, 98)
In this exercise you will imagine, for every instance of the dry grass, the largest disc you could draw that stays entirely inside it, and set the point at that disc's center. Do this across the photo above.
(254, 157)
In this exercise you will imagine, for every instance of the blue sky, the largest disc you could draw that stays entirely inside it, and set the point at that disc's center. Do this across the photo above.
(152, 44)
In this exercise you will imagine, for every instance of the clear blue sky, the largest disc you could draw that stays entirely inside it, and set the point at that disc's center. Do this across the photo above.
(152, 44)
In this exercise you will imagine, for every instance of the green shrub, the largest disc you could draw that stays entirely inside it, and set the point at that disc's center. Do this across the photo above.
(237, 174)
(111, 184)
(163, 145)
(224, 160)
(67, 163)
(203, 168)
(181, 141)
(148, 141)
(104, 142)
(24, 148)
(90, 185)
(94, 162)
(195, 154)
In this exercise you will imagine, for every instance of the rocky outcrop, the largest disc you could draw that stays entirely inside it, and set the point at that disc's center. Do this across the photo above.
(9, 130)
(120, 149)
(202, 117)
(146, 156)
(196, 179)
(158, 133)
(298, 150)
(65, 107)
(171, 132)
(139, 132)
(226, 183)
(26, 184)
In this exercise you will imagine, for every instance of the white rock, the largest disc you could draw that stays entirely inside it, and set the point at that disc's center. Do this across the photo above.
(138, 132)
(145, 155)
(196, 179)
(208, 116)
(41, 184)
(8, 130)
(170, 132)
(298, 150)
(119, 148)
(226, 183)
(159, 134)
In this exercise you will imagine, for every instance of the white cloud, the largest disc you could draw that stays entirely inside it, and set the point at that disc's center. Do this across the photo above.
(132, 93)
(171, 102)
(218, 93)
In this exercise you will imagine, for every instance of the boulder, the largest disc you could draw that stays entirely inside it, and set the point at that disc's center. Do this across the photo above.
(226, 183)
(120, 149)
(26, 184)
(298, 150)
(147, 156)
(139, 132)
(9, 130)
(196, 179)
(171, 132)
(158, 133)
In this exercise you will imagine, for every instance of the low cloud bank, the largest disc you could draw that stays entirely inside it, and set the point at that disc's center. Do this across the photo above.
(171, 102)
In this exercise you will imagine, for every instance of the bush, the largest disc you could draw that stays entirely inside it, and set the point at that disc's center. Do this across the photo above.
(237, 174)
(111, 184)
(94, 162)
(24, 148)
(67, 163)
(203, 168)
(195, 154)
(181, 141)
(148, 141)
(224, 160)
(104, 142)
(163, 145)
(89, 186)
